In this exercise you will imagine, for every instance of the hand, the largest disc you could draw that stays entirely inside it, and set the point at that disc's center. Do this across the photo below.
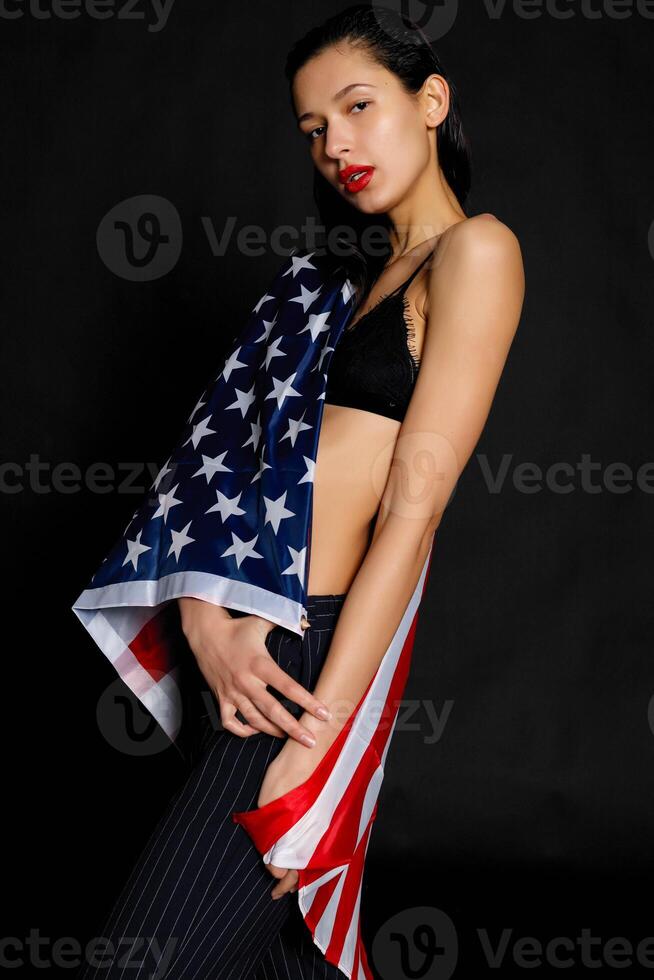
(288, 880)
(288, 770)
(234, 660)
(282, 775)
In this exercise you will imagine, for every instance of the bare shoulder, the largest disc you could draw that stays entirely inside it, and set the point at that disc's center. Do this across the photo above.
(483, 234)
(480, 240)
(477, 267)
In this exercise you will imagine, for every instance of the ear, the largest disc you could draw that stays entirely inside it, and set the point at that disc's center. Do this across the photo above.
(434, 95)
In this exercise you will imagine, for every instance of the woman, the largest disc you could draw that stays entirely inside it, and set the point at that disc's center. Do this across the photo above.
(413, 379)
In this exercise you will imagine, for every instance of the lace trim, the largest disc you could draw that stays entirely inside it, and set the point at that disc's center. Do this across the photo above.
(398, 291)
(382, 299)
(410, 332)
(409, 327)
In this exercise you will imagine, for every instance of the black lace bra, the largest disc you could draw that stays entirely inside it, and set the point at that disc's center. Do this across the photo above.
(374, 366)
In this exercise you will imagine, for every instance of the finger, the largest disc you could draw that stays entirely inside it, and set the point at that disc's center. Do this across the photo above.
(275, 871)
(255, 717)
(231, 722)
(273, 709)
(274, 675)
(254, 691)
(286, 884)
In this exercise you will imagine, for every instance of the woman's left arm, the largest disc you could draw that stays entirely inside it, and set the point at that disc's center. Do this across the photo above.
(476, 292)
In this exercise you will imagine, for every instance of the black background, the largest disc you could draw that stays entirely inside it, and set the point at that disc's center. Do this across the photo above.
(533, 810)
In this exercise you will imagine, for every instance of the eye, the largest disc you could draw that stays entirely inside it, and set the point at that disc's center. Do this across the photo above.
(310, 136)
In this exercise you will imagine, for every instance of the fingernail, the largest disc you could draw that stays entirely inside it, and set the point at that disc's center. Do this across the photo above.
(308, 740)
(324, 714)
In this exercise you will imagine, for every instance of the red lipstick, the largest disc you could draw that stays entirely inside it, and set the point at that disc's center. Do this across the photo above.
(358, 183)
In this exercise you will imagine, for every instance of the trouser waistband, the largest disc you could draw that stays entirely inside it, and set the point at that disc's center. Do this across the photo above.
(323, 610)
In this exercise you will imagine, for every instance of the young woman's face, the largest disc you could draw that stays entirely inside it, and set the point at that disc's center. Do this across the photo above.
(376, 125)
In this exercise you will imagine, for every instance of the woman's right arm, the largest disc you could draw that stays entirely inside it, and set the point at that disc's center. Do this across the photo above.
(234, 660)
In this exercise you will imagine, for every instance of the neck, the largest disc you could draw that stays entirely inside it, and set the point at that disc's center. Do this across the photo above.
(429, 211)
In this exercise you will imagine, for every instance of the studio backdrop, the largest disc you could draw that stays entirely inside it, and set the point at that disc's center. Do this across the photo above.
(153, 183)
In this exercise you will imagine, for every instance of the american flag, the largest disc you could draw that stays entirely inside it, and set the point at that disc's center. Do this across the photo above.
(228, 520)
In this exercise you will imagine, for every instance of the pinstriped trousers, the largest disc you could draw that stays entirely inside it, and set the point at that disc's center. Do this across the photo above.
(198, 905)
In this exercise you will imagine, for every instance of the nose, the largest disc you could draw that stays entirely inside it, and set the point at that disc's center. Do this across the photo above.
(337, 143)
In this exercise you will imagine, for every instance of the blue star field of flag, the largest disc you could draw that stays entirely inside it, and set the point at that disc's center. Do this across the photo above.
(232, 503)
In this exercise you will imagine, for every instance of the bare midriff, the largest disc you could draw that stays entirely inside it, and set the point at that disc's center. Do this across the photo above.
(355, 452)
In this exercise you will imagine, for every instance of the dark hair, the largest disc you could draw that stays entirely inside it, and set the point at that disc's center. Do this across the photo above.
(400, 46)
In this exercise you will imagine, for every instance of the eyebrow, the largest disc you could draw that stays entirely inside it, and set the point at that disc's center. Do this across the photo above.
(339, 95)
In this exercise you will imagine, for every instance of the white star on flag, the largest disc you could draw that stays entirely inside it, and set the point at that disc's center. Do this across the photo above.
(268, 325)
(273, 351)
(200, 430)
(276, 511)
(243, 400)
(200, 403)
(298, 263)
(255, 434)
(264, 299)
(283, 389)
(295, 426)
(161, 474)
(135, 549)
(311, 468)
(297, 565)
(180, 540)
(212, 465)
(232, 363)
(317, 324)
(166, 501)
(226, 506)
(242, 549)
(307, 297)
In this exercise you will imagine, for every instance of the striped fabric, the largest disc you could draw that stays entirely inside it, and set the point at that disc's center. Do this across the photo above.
(228, 520)
(322, 827)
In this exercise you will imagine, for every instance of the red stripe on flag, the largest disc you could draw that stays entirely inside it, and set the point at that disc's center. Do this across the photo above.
(155, 647)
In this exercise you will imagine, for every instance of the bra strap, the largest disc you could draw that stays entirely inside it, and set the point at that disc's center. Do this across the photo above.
(398, 291)
(403, 285)
(417, 269)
